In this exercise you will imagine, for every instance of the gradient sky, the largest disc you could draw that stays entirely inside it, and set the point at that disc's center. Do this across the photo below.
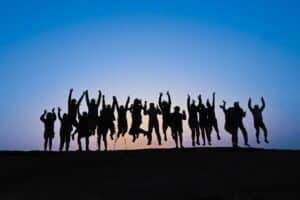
(239, 49)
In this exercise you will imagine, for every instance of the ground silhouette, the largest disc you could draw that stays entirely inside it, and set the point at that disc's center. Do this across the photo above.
(206, 173)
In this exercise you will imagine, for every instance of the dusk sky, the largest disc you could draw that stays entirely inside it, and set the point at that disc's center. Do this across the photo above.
(239, 49)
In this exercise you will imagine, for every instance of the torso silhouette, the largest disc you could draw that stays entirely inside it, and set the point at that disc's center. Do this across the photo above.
(257, 114)
(211, 112)
(165, 110)
(203, 115)
(93, 109)
(83, 125)
(108, 115)
(239, 114)
(136, 113)
(66, 124)
(177, 121)
(122, 115)
(49, 122)
(193, 112)
(72, 110)
(153, 112)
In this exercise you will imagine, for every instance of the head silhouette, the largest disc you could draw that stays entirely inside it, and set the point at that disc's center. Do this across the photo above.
(152, 106)
(177, 109)
(73, 101)
(108, 106)
(122, 107)
(164, 104)
(208, 104)
(65, 116)
(136, 102)
(256, 107)
(93, 101)
(236, 104)
(49, 115)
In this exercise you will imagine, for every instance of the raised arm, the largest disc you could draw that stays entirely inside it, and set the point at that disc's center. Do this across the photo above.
(59, 114)
(53, 114)
(263, 104)
(87, 98)
(114, 105)
(127, 103)
(70, 96)
(115, 102)
(188, 102)
(80, 100)
(42, 118)
(158, 110)
(159, 99)
(99, 98)
(183, 115)
(78, 112)
(214, 99)
(103, 102)
(250, 104)
(223, 107)
(145, 108)
(169, 98)
(199, 100)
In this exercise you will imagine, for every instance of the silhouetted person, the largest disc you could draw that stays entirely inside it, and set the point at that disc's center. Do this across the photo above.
(108, 117)
(73, 106)
(48, 119)
(65, 130)
(82, 130)
(240, 114)
(122, 116)
(102, 130)
(93, 107)
(176, 120)
(205, 127)
(193, 120)
(231, 123)
(165, 107)
(136, 115)
(152, 112)
(212, 116)
(258, 119)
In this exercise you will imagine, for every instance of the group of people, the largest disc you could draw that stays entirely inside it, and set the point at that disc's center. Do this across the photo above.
(201, 120)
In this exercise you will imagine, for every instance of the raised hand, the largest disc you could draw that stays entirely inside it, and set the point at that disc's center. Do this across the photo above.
(53, 109)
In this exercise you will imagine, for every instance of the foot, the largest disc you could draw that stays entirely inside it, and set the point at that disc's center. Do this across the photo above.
(159, 143)
(181, 146)
(209, 143)
(111, 137)
(257, 141)
(246, 144)
(193, 143)
(218, 136)
(198, 142)
(149, 143)
(165, 138)
(266, 141)
(203, 144)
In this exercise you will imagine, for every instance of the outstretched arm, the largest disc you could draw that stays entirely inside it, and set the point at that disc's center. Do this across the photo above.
(127, 103)
(114, 105)
(115, 102)
(42, 118)
(200, 100)
(99, 98)
(59, 114)
(103, 102)
(250, 104)
(159, 99)
(263, 104)
(87, 98)
(214, 99)
(183, 115)
(188, 102)
(169, 98)
(70, 96)
(80, 100)
(145, 108)
(223, 106)
(53, 114)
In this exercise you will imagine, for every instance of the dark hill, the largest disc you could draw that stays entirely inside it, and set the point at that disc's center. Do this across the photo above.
(212, 173)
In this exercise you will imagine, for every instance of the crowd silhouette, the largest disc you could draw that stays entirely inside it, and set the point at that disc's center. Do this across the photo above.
(201, 119)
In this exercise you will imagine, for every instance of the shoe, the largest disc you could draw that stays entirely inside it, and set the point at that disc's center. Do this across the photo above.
(266, 141)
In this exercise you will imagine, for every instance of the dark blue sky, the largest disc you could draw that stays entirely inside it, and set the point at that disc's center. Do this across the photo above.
(236, 48)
